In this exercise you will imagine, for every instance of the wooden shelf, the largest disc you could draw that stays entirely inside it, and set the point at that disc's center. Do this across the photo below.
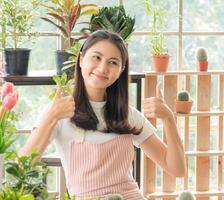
(215, 72)
(201, 113)
(204, 153)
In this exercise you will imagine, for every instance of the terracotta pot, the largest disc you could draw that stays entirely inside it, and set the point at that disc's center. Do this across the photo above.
(183, 106)
(202, 66)
(160, 63)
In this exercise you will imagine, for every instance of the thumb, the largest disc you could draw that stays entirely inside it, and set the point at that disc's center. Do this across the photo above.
(158, 91)
(58, 92)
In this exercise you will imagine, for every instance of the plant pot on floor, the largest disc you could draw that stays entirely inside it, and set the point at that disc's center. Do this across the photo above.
(2, 159)
(16, 61)
(202, 66)
(160, 62)
(61, 57)
(183, 106)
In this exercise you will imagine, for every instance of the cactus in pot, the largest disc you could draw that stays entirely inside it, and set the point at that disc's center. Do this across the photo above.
(202, 59)
(183, 103)
(186, 195)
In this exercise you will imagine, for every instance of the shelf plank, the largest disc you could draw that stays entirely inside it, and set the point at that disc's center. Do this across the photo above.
(201, 113)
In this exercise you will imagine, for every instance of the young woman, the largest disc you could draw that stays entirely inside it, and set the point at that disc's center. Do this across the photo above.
(95, 130)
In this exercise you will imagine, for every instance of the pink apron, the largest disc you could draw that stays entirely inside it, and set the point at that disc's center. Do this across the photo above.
(100, 169)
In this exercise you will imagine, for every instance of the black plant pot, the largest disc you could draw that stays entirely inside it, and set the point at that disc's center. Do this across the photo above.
(62, 57)
(17, 61)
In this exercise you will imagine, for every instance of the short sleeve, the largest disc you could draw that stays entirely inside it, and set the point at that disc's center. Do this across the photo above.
(137, 119)
(39, 119)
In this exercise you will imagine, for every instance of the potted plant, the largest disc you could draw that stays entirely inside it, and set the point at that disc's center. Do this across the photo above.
(202, 59)
(17, 20)
(159, 53)
(114, 19)
(183, 103)
(7, 118)
(9, 194)
(67, 13)
(27, 174)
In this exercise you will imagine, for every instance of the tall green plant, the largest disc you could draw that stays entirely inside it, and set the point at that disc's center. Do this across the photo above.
(67, 13)
(157, 14)
(17, 21)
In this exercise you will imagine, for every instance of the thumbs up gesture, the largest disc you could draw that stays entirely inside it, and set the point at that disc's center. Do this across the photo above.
(62, 107)
(155, 107)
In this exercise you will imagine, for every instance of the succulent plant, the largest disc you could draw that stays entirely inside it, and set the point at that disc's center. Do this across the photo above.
(113, 197)
(202, 54)
(186, 195)
(183, 96)
(114, 19)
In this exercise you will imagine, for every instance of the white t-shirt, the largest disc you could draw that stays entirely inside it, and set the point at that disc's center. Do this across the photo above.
(64, 132)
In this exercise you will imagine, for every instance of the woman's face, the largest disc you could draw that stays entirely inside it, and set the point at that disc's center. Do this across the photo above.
(100, 66)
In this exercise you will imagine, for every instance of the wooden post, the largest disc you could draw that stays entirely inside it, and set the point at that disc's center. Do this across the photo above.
(149, 169)
(203, 133)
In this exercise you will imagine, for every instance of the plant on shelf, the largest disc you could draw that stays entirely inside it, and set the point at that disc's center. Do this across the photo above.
(27, 175)
(202, 59)
(7, 119)
(114, 19)
(67, 13)
(183, 103)
(17, 20)
(186, 195)
(159, 52)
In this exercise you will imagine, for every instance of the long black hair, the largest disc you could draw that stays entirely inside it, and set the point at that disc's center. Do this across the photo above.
(117, 106)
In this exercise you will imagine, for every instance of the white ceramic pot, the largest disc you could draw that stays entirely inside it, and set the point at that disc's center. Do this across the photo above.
(2, 159)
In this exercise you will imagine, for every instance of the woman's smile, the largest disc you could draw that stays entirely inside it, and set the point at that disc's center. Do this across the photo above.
(99, 76)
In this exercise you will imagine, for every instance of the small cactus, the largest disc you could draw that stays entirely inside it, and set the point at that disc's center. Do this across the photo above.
(202, 54)
(186, 195)
(183, 96)
(114, 197)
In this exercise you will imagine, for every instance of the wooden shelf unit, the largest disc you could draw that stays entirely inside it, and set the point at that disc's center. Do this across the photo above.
(172, 83)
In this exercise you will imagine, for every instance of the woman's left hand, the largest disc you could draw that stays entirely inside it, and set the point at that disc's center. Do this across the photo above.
(155, 107)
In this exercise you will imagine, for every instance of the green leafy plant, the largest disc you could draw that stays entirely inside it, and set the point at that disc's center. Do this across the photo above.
(17, 20)
(202, 54)
(27, 175)
(114, 19)
(183, 96)
(68, 13)
(67, 85)
(157, 13)
(73, 52)
(9, 194)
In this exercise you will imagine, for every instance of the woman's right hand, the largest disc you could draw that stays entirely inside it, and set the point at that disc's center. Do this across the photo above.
(62, 107)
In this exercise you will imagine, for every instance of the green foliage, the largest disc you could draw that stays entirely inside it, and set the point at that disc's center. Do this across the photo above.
(186, 195)
(26, 175)
(66, 85)
(7, 129)
(17, 20)
(10, 194)
(157, 45)
(183, 96)
(114, 197)
(114, 19)
(157, 14)
(202, 54)
(74, 52)
(67, 13)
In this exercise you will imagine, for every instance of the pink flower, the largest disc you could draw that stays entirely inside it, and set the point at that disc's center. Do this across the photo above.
(10, 100)
(7, 88)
